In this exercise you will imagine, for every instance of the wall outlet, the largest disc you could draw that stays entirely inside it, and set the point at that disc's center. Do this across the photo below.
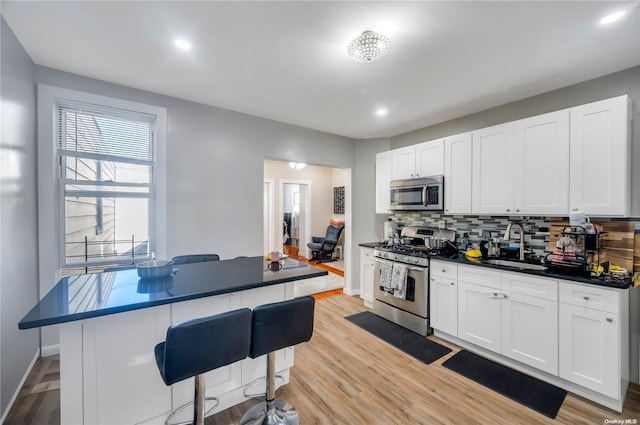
(441, 224)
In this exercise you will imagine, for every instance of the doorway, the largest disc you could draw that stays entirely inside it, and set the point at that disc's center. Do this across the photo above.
(295, 217)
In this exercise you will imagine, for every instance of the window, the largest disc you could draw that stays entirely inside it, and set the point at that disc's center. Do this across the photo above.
(106, 183)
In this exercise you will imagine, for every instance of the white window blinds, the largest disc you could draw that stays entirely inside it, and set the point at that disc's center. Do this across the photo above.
(92, 131)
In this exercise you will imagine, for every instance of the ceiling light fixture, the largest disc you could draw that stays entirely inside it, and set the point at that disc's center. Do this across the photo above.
(182, 44)
(612, 17)
(297, 165)
(368, 47)
(381, 112)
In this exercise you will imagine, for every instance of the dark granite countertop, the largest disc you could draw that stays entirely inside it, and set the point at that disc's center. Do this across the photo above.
(611, 283)
(100, 294)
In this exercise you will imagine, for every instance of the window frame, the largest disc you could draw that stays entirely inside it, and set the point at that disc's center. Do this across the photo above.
(64, 192)
(51, 183)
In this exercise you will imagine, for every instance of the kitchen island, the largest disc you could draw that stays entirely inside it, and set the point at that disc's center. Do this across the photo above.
(110, 322)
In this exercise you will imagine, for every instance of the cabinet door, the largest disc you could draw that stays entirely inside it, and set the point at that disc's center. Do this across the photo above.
(600, 167)
(530, 331)
(590, 349)
(367, 262)
(430, 158)
(118, 366)
(493, 170)
(444, 305)
(457, 174)
(479, 315)
(403, 163)
(541, 158)
(383, 178)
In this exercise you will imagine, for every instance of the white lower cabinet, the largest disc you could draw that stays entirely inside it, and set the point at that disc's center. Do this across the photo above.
(593, 337)
(367, 263)
(517, 316)
(577, 333)
(444, 297)
(530, 320)
(479, 315)
(530, 331)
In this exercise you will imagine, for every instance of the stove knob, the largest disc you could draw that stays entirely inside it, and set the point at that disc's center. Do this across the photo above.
(416, 261)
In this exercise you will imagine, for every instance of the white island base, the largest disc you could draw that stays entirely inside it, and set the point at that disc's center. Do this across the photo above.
(108, 373)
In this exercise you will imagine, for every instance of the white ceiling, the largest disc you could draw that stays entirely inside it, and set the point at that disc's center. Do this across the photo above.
(287, 60)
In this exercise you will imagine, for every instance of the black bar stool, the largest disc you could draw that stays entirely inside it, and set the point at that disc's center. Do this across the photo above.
(275, 326)
(197, 346)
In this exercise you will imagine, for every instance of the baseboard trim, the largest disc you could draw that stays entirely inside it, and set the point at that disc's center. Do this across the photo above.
(351, 292)
(20, 385)
(50, 350)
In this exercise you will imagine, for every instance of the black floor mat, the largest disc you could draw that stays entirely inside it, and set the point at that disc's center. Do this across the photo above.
(531, 392)
(410, 342)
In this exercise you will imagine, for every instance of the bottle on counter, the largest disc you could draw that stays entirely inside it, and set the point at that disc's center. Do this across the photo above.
(463, 242)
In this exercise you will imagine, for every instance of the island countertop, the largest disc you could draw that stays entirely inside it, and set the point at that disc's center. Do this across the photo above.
(100, 294)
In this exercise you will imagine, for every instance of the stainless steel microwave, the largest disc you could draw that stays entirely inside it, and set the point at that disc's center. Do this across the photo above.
(422, 194)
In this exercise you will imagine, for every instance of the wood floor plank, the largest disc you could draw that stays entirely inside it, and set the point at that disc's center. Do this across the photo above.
(346, 376)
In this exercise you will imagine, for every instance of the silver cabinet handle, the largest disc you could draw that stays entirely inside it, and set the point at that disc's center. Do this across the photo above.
(518, 210)
(609, 319)
(508, 210)
(504, 295)
(444, 270)
(585, 298)
(452, 284)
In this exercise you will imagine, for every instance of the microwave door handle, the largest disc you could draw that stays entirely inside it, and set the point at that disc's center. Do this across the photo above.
(425, 201)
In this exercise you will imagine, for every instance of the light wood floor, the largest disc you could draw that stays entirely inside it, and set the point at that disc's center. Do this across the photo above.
(346, 376)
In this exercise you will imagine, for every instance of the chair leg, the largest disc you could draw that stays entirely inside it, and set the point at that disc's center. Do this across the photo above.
(198, 405)
(271, 411)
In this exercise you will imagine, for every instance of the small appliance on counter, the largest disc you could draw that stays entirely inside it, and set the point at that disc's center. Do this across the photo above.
(570, 254)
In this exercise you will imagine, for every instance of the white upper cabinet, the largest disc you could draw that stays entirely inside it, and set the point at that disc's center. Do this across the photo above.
(430, 158)
(403, 163)
(421, 160)
(522, 167)
(600, 164)
(457, 174)
(383, 178)
(493, 170)
(541, 165)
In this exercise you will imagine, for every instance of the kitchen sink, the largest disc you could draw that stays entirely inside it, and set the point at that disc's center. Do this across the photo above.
(515, 264)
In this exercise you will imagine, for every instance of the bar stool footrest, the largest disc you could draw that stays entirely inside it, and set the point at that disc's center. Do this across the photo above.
(187, 404)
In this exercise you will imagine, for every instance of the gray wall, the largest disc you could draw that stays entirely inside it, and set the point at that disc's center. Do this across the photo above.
(18, 214)
(368, 224)
(214, 169)
(623, 82)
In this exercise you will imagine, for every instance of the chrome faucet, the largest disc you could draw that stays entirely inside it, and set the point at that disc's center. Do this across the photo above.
(507, 236)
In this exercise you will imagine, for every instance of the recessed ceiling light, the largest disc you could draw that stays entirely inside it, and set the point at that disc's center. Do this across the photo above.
(381, 112)
(612, 17)
(182, 44)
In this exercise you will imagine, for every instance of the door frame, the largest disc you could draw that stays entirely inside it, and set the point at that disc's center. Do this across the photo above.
(268, 217)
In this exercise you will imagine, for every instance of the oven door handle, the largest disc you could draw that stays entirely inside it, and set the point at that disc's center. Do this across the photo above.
(415, 269)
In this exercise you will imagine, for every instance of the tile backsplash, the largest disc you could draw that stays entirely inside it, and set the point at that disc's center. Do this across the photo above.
(536, 228)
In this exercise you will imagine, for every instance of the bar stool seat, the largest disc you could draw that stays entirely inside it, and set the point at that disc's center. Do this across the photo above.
(273, 327)
(197, 346)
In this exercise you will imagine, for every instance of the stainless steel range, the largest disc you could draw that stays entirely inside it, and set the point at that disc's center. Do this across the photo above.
(401, 276)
